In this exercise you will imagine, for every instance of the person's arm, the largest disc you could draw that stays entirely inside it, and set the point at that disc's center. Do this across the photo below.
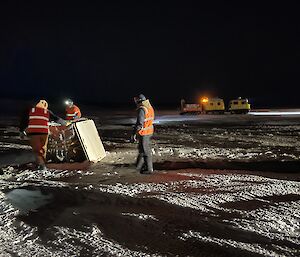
(24, 118)
(55, 118)
(77, 112)
(139, 121)
(23, 123)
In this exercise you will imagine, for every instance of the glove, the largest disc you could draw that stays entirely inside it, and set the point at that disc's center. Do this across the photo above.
(133, 138)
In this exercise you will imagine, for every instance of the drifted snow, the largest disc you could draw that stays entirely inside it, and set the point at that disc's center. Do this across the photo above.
(140, 216)
(280, 221)
(93, 238)
(13, 146)
(221, 197)
(253, 248)
(17, 238)
(277, 220)
(38, 175)
(215, 153)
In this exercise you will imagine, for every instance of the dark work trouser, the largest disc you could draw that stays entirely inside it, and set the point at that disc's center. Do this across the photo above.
(145, 153)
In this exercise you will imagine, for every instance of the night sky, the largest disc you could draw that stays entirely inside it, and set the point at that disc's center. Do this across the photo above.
(107, 53)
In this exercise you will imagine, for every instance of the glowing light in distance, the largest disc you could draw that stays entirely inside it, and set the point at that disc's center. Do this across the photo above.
(204, 100)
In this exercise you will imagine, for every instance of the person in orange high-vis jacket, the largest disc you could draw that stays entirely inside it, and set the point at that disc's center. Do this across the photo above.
(72, 111)
(38, 130)
(143, 131)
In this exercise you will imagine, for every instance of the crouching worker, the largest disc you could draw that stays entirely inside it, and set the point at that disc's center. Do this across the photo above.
(143, 131)
(38, 130)
(72, 111)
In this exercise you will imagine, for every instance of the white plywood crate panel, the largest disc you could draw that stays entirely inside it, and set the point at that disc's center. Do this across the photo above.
(90, 140)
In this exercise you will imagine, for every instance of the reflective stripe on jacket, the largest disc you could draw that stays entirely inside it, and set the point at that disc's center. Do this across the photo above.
(148, 128)
(38, 121)
(73, 112)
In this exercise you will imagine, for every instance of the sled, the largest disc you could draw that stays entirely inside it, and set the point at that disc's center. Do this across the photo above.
(77, 142)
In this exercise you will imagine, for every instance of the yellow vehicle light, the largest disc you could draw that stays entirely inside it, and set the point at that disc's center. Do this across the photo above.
(204, 99)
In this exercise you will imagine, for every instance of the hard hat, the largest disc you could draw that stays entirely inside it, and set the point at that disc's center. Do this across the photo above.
(139, 98)
(68, 102)
(42, 104)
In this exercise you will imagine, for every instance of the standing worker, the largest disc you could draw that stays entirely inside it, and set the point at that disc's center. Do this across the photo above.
(38, 130)
(72, 110)
(143, 131)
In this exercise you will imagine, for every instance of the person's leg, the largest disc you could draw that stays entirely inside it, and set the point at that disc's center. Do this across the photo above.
(34, 143)
(148, 153)
(39, 148)
(43, 148)
(140, 158)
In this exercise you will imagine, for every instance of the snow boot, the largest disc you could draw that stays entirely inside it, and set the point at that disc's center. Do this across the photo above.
(140, 162)
(42, 167)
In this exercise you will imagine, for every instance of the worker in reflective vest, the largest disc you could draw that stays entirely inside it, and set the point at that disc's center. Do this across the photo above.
(143, 131)
(72, 110)
(38, 130)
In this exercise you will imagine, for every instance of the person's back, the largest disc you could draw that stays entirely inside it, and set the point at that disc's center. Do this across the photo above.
(37, 131)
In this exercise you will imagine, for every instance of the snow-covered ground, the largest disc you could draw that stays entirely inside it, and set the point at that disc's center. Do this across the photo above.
(199, 202)
(235, 213)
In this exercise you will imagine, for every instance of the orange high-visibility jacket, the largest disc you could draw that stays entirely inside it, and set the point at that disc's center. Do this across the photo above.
(73, 112)
(148, 128)
(38, 121)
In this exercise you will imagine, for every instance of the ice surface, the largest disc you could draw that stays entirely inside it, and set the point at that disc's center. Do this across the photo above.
(26, 200)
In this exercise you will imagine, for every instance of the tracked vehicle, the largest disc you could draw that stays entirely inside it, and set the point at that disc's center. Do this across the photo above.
(205, 106)
(239, 106)
(213, 106)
